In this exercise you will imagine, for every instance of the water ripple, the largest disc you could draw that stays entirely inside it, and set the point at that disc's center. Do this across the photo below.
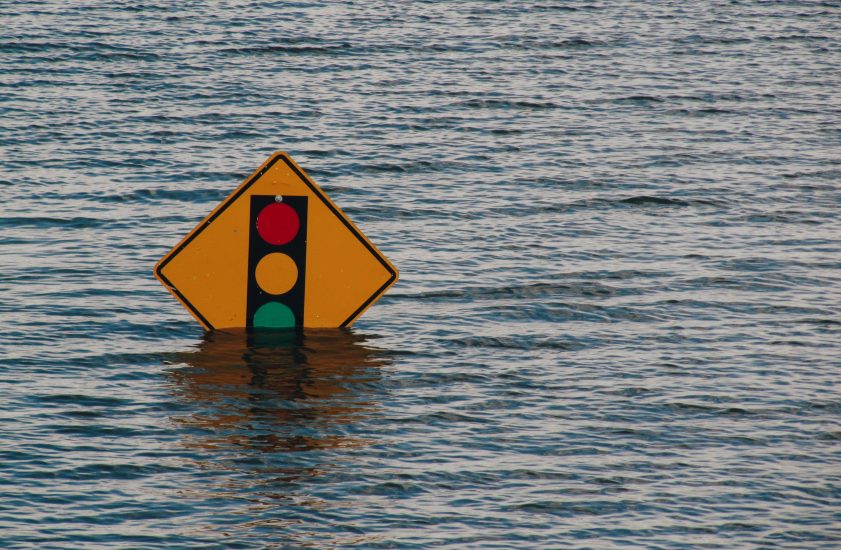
(618, 317)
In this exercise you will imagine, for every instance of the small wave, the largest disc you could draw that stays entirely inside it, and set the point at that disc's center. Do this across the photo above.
(81, 51)
(709, 111)
(796, 37)
(390, 212)
(575, 508)
(30, 47)
(579, 42)
(532, 290)
(600, 204)
(516, 342)
(831, 174)
(822, 321)
(120, 56)
(712, 97)
(544, 45)
(638, 99)
(558, 7)
(45, 222)
(505, 104)
(654, 200)
(146, 195)
(712, 40)
(106, 470)
(794, 217)
(713, 409)
(411, 167)
(85, 400)
(565, 312)
(287, 49)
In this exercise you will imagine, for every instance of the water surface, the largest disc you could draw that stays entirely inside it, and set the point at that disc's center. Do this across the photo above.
(617, 323)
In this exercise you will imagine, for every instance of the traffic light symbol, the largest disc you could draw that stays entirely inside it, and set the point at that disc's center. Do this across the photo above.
(277, 253)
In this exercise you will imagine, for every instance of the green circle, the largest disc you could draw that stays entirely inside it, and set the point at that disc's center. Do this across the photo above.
(274, 315)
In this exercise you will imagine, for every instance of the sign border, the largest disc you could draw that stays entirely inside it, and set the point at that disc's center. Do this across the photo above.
(216, 212)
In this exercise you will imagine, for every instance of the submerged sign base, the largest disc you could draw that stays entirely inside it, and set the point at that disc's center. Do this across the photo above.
(277, 253)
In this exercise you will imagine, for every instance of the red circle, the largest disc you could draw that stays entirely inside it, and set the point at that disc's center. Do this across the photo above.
(278, 223)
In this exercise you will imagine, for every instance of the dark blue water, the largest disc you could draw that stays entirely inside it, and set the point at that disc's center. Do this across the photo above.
(617, 324)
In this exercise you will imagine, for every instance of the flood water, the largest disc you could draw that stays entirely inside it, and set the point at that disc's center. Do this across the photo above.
(617, 229)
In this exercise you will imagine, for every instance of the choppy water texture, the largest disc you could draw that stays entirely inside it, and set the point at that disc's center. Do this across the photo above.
(617, 324)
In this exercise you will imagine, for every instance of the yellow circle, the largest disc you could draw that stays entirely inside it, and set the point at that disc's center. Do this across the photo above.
(276, 273)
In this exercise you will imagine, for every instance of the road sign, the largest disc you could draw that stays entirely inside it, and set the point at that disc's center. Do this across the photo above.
(277, 253)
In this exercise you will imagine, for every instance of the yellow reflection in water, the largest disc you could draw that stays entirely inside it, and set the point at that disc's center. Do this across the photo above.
(277, 391)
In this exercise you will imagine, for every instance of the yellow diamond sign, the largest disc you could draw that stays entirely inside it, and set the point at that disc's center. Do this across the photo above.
(277, 253)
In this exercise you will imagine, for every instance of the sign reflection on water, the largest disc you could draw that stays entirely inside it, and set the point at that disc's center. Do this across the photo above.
(277, 390)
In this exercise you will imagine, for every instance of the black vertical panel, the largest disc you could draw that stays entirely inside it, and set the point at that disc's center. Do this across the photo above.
(295, 249)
